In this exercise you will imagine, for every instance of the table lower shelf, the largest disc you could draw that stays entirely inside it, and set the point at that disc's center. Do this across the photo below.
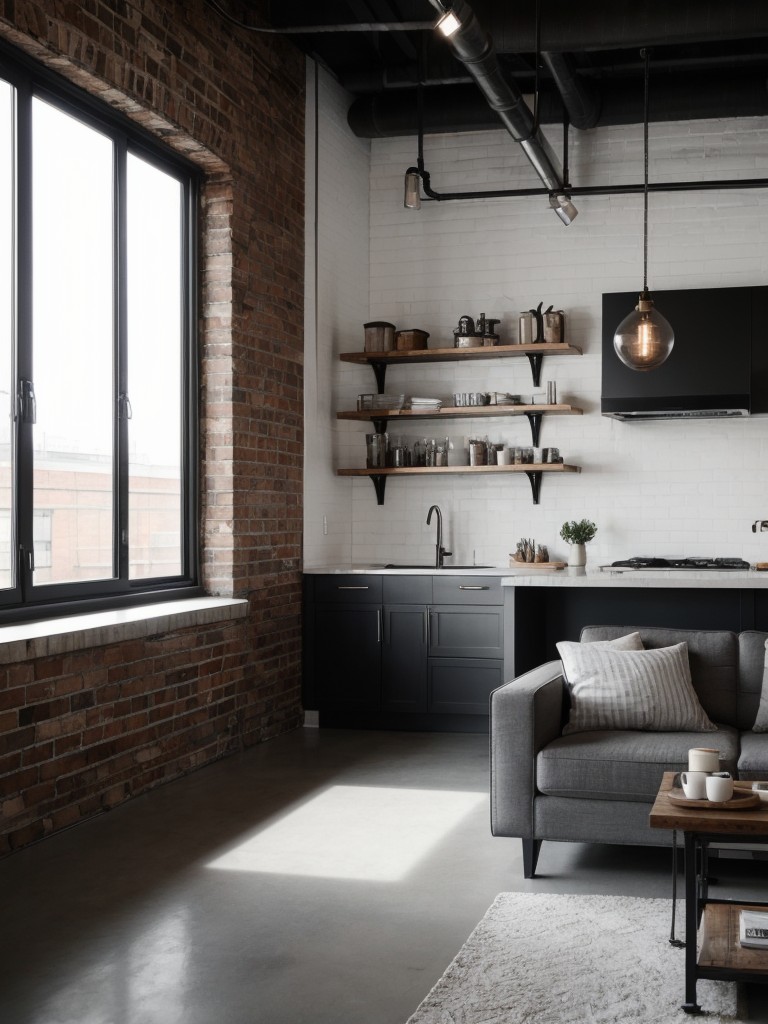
(719, 941)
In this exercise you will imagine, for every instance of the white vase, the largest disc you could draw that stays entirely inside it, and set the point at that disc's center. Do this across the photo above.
(577, 556)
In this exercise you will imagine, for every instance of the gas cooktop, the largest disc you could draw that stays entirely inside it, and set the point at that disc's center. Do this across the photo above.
(731, 564)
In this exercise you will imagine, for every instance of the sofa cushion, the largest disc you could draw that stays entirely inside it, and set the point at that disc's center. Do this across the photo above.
(761, 718)
(648, 690)
(753, 757)
(752, 656)
(713, 656)
(619, 764)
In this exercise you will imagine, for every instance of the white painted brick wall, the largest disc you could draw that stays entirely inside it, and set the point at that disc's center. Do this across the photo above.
(663, 488)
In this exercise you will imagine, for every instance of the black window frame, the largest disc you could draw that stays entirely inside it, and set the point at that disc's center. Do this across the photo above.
(26, 601)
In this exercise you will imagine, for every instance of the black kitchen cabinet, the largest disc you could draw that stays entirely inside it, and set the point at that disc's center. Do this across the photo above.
(404, 659)
(405, 652)
(462, 687)
(347, 653)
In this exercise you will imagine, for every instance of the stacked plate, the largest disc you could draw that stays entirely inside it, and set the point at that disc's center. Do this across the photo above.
(426, 404)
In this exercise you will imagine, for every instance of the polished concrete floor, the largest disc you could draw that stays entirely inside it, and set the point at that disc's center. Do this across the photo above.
(327, 877)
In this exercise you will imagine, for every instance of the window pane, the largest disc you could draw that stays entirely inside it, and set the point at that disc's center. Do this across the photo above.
(154, 370)
(7, 330)
(72, 328)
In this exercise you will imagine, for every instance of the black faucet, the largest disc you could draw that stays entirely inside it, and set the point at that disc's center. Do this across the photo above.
(440, 551)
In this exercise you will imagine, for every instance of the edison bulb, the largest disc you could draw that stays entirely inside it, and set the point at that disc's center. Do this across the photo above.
(644, 339)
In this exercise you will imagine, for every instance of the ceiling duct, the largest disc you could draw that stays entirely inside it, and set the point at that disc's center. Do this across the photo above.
(474, 48)
(581, 99)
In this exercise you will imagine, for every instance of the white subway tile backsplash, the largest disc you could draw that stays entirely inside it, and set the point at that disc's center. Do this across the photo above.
(690, 487)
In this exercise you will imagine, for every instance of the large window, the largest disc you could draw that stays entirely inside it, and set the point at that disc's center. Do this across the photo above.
(97, 381)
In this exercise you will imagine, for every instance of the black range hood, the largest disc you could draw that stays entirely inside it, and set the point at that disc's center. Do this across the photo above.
(718, 366)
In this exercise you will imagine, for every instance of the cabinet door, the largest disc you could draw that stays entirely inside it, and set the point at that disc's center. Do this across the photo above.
(348, 656)
(404, 658)
(466, 631)
(462, 686)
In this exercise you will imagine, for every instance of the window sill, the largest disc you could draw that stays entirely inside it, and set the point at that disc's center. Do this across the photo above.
(95, 629)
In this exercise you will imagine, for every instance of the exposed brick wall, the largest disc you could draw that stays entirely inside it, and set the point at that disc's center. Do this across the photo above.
(83, 732)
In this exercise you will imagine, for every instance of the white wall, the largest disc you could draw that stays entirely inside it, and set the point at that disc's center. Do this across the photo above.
(336, 258)
(676, 488)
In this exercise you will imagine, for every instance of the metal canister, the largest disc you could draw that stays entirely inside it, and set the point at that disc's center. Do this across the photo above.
(554, 326)
(478, 453)
(527, 328)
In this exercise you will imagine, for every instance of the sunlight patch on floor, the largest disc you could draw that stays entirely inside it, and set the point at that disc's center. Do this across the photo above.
(354, 832)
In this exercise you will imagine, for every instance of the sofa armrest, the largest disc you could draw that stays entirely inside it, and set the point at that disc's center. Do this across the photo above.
(526, 715)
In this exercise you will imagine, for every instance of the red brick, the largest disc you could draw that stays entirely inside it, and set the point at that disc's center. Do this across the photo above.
(147, 710)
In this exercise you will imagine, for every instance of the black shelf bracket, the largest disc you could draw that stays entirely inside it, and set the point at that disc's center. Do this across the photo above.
(535, 359)
(535, 479)
(380, 373)
(534, 418)
(380, 425)
(379, 485)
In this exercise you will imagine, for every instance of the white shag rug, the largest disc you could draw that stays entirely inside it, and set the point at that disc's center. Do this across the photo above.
(553, 959)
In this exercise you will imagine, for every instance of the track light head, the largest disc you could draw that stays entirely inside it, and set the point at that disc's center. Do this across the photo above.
(412, 198)
(564, 208)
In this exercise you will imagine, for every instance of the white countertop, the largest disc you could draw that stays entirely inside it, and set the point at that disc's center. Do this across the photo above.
(379, 570)
(645, 578)
(591, 577)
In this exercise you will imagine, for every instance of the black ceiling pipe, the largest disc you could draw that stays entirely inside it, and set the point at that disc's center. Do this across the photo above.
(474, 48)
(581, 99)
(567, 27)
(459, 108)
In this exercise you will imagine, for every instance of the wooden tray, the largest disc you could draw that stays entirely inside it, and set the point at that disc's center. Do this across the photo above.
(536, 565)
(742, 800)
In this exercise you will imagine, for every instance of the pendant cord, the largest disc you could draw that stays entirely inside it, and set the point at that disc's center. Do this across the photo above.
(421, 61)
(644, 54)
(537, 61)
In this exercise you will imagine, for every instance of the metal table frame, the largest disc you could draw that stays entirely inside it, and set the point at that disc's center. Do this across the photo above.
(696, 846)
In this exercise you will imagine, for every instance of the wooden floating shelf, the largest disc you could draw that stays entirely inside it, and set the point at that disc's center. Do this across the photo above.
(533, 470)
(460, 412)
(428, 355)
(379, 361)
(530, 467)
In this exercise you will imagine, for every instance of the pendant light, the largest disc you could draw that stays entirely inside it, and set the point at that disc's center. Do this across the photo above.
(644, 339)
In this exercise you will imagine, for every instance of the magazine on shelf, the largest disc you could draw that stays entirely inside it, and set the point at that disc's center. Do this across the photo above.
(753, 929)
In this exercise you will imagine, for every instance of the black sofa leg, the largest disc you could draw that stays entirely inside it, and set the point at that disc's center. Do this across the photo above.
(531, 849)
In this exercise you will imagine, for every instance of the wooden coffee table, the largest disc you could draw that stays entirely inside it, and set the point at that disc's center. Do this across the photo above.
(720, 956)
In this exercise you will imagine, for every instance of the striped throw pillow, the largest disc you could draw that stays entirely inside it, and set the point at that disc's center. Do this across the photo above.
(646, 690)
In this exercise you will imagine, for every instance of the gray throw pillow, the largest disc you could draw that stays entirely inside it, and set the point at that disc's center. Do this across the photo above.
(628, 642)
(761, 722)
(626, 689)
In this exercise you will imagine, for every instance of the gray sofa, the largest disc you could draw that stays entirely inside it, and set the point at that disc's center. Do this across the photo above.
(598, 787)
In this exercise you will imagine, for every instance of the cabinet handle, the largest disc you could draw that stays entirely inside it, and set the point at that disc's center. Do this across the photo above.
(462, 587)
(378, 625)
(351, 588)
(425, 631)
(429, 628)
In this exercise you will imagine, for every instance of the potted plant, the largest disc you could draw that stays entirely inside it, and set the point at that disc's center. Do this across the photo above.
(577, 534)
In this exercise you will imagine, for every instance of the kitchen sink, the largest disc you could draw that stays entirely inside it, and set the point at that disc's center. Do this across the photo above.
(392, 565)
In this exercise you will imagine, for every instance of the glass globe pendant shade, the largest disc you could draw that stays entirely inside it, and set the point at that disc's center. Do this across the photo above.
(644, 339)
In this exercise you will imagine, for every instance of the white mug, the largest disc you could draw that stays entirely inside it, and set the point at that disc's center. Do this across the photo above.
(694, 785)
(703, 759)
(719, 788)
